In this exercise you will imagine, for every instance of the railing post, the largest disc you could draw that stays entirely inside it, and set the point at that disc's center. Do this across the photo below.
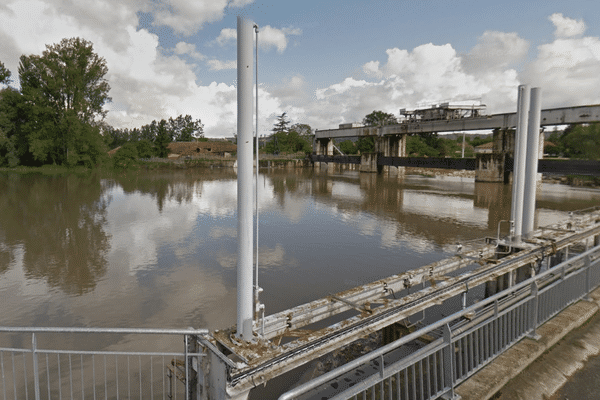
(186, 362)
(587, 262)
(36, 374)
(192, 367)
(449, 363)
(534, 310)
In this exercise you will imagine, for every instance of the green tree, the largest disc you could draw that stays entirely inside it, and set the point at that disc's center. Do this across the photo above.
(582, 141)
(126, 157)
(417, 146)
(4, 74)
(365, 144)
(185, 129)
(64, 92)
(144, 149)
(282, 124)
(348, 147)
(379, 118)
(302, 129)
(162, 139)
(9, 98)
(478, 141)
(287, 142)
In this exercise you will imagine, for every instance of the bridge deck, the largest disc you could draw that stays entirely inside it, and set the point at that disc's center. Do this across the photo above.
(549, 117)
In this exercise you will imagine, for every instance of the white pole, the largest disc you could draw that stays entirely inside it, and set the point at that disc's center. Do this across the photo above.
(256, 287)
(519, 161)
(244, 186)
(533, 144)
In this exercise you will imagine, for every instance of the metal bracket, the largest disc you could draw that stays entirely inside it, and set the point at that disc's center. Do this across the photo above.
(351, 304)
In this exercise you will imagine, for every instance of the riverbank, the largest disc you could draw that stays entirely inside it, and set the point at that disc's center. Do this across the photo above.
(287, 162)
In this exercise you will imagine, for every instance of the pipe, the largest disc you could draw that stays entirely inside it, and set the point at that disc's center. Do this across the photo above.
(244, 178)
(519, 161)
(256, 287)
(531, 168)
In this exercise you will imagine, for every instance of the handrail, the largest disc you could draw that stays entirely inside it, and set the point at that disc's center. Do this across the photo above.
(141, 331)
(291, 394)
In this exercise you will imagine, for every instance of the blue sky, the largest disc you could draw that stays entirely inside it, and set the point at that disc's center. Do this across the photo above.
(323, 62)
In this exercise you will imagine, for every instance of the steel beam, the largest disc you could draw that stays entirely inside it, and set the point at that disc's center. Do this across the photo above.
(549, 117)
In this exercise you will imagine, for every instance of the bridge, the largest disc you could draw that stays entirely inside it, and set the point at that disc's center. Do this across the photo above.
(390, 144)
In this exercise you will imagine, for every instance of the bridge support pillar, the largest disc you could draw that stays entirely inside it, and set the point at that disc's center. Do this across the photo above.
(390, 146)
(491, 167)
(323, 147)
(368, 162)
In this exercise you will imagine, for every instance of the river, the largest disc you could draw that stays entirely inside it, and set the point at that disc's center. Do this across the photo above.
(158, 249)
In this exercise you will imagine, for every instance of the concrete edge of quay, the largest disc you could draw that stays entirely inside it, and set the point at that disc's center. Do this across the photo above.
(490, 381)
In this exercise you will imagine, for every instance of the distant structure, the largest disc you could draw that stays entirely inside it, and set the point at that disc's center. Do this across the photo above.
(444, 111)
(199, 149)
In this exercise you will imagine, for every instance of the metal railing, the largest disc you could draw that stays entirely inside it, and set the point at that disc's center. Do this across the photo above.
(469, 339)
(69, 363)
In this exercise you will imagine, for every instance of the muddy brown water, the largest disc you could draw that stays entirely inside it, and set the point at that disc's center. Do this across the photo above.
(158, 249)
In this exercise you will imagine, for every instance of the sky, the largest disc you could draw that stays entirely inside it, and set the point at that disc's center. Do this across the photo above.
(322, 62)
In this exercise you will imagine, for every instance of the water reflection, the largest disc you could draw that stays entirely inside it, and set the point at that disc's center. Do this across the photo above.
(55, 228)
(160, 248)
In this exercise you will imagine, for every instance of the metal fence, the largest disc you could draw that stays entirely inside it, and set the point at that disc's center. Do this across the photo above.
(466, 341)
(80, 363)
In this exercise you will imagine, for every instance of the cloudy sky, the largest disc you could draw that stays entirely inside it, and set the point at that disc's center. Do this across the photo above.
(324, 62)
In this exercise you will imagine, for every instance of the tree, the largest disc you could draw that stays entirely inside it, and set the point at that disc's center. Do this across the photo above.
(365, 144)
(282, 124)
(4, 74)
(379, 118)
(64, 92)
(302, 129)
(185, 129)
(348, 147)
(582, 142)
(126, 157)
(163, 138)
(416, 146)
(144, 149)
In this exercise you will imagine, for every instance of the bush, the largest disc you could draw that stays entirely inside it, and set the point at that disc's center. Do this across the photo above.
(126, 157)
(144, 149)
(288, 142)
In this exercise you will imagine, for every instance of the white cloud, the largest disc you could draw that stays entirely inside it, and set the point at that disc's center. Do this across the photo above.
(239, 3)
(495, 50)
(226, 36)
(566, 27)
(268, 37)
(189, 49)
(217, 65)
(146, 84)
(567, 70)
(427, 74)
(187, 17)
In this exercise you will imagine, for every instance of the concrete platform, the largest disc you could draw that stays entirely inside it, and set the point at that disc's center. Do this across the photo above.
(537, 369)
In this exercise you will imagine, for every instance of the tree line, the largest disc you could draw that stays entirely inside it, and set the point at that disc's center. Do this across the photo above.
(57, 116)
(287, 138)
(576, 141)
